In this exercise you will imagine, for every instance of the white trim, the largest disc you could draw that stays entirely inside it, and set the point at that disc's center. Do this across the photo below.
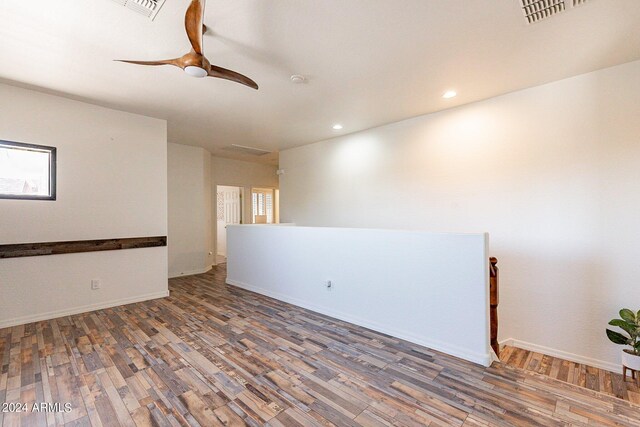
(191, 272)
(482, 359)
(82, 309)
(601, 364)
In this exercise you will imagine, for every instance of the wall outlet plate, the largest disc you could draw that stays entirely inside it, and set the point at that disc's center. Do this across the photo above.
(95, 284)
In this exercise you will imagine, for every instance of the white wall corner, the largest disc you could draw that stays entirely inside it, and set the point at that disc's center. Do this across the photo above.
(191, 272)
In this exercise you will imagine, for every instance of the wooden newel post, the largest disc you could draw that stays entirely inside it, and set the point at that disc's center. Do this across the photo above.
(494, 299)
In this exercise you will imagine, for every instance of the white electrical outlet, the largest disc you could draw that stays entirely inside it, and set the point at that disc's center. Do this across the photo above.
(95, 284)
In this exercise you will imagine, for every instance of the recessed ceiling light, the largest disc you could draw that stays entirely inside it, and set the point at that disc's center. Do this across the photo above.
(337, 126)
(449, 94)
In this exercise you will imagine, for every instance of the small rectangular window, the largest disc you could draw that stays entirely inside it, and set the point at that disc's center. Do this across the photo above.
(27, 171)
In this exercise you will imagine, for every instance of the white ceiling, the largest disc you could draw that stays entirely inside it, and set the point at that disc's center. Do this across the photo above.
(368, 62)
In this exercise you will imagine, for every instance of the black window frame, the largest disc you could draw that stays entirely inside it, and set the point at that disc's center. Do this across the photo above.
(52, 170)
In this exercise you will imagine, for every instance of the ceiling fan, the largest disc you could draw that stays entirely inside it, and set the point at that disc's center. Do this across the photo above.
(195, 63)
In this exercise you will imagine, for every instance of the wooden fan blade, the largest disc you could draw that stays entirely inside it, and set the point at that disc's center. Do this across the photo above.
(193, 24)
(223, 73)
(162, 62)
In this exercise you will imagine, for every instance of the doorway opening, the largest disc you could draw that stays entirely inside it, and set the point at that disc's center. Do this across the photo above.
(229, 211)
(264, 206)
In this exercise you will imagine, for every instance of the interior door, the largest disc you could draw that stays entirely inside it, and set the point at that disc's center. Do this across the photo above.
(229, 212)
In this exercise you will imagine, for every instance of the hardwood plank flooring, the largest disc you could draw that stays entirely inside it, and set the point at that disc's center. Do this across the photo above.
(591, 378)
(215, 355)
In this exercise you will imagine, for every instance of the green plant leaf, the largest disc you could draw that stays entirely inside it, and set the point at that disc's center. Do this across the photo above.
(628, 315)
(630, 328)
(617, 338)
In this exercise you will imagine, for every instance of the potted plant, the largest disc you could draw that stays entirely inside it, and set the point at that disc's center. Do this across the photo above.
(629, 322)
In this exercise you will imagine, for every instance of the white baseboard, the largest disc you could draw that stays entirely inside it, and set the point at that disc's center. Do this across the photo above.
(481, 359)
(190, 272)
(81, 309)
(601, 364)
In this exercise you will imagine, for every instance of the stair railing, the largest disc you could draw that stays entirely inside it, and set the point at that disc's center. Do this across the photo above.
(494, 298)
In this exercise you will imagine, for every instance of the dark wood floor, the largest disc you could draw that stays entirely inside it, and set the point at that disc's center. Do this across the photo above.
(574, 373)
(214, 355)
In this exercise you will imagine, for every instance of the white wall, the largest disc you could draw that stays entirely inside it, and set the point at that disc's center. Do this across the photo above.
(551, 172)
(111, 183)
(429, 288)
(190, 214)
(238, 173)
(193, 177)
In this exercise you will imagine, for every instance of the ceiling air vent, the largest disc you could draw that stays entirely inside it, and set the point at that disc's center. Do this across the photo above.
(537, 10)
(148, 8)
(246, 150)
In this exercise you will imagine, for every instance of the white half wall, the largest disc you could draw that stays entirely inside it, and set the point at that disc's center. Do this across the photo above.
(428, 288)
(190, 210)
(551, 172)
(111, 183)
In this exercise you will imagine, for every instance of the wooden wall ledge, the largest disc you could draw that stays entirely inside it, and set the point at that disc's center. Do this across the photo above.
(77, 246)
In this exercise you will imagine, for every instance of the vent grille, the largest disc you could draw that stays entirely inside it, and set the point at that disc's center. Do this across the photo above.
(537, 10)
(246, 150)
(148, 8)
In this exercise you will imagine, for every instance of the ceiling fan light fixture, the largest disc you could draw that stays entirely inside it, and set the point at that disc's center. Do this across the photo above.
(195, 71)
